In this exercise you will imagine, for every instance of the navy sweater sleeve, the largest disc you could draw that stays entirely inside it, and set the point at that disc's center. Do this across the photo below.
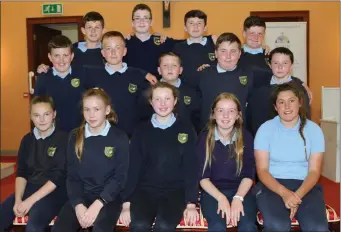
(135, 165)
(190, 165)
(22, 170)
(248, 169)
(201, 152)
(116, 184)
(39, 89)
(74, 184)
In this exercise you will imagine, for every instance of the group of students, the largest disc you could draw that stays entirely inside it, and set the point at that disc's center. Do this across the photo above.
(135, 142)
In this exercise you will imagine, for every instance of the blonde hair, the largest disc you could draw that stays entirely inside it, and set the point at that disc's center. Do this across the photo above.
(238, 129)
(80, 131)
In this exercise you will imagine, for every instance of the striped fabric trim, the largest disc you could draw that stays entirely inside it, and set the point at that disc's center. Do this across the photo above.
(332, 216)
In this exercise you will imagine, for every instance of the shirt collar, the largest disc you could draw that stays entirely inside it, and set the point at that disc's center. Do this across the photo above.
(145, 38)
(276, 82)
(82, 46)
(38, 136)
(56, 73)
(202, 42)
(221, 70)
(253, 51)
(177, 84)
(104, 132)
(157, 124)
(111, 71)
(217, 137)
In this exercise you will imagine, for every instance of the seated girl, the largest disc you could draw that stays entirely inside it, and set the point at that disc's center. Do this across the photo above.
(289, 152)
(40, 183)
(226, 156)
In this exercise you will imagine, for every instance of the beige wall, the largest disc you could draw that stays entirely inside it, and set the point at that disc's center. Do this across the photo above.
(222, 16)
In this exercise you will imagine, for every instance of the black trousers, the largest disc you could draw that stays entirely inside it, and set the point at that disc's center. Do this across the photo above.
(105, 221)
(165, 209)
(41, 213)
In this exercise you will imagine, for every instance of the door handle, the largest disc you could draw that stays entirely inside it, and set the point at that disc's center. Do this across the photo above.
(30, 84)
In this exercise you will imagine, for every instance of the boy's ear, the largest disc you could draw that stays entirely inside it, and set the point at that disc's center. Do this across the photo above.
(185, 28)
(125, 51)
(72, 56)
(49, 56)
(205, 28)
(102, 52)
(244, 35)
(159, 70)
(104, 31)
(83, 30)
(181, 69)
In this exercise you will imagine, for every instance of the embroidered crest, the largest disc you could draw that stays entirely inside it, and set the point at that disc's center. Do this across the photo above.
(211, 56)
(75, 82)
(182, 138)
(132, 88)
(187, 100)
(51, 151)
(243, 80)
(157, 41)
(109, 151)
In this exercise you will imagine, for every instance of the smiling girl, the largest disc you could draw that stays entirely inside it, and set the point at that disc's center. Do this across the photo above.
(40, 182)
(162, 180)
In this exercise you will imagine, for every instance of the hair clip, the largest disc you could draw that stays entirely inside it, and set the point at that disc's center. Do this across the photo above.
(98, 88)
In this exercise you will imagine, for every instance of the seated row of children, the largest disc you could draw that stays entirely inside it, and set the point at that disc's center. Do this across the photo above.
(94, 176)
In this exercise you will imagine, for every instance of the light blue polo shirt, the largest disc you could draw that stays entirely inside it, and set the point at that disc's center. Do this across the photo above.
(287, 159)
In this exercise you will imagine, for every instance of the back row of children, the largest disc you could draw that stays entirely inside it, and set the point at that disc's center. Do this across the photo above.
(88, 69)
(94, 175)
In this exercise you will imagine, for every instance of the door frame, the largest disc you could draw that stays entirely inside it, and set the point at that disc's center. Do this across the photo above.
(31, 22)
(287, 16)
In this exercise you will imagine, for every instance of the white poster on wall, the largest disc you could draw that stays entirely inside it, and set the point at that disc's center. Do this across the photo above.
(292, 35)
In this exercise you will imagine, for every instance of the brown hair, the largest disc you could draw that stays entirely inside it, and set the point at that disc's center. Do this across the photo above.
(166, 85)
(238, 129)
(141, 6)
(302, 112)
(228, 37)
(169, 54)
(59, 41)
(110, 34)
(80, 131)
(43, 99)
(93, 16)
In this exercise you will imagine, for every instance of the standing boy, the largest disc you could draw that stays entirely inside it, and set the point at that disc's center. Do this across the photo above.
(125, 85)
(63, 83)
(197, 49)
(188, 107)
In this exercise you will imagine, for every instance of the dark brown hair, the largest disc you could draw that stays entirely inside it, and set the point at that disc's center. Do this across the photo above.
(59, 41)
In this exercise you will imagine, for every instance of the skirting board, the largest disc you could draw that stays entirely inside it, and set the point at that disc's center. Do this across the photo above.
(8, 152)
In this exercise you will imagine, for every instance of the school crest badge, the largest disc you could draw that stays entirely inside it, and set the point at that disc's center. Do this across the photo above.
(243, 80)
(109, 151)
(187, 100)
(132, 88)
(157, 41)
(51, 151)
(211, 56)
(75, 82)
(182, 138)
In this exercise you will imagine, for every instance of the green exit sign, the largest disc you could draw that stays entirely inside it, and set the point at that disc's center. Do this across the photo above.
(52, 9)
